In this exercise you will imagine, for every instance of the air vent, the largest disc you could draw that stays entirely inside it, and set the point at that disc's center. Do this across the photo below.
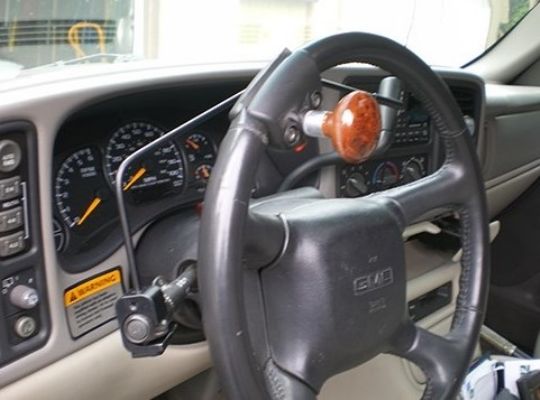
(466, 99)
(52, 32)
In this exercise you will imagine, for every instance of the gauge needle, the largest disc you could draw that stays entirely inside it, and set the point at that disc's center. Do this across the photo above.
(93, 205)
(205, 172)
(192, 144)
(135, 178)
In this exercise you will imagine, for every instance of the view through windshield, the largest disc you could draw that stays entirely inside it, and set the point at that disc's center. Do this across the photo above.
(40, 32)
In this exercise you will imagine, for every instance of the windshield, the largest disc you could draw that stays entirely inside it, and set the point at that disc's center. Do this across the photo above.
(34, 33)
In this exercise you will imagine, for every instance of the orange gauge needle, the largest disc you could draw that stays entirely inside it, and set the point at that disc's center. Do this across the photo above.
(205, 172)
(135, 178)
(93, 205)
(192, 144)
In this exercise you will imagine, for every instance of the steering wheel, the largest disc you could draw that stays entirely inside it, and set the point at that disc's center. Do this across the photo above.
(297, 288)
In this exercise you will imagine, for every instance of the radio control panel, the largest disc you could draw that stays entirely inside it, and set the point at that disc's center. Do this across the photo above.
(409, 158)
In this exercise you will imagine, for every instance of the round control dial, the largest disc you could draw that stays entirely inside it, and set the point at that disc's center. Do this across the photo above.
(24, 297)
(386, 175)
(355, 181)
(25, 327)
(412, 170)
(10, 155)
(356, 185)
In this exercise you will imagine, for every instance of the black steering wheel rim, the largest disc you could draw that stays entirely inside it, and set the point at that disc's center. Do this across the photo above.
(233, 342)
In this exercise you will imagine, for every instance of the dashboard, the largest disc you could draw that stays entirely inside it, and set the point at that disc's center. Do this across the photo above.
(93, 141)
(71, 151)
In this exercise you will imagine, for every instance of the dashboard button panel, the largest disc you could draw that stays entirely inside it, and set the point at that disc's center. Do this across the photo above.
(10, 155)
(13, 192)
(11, 219)
(24, 313)
(10, 188)
(11, 244)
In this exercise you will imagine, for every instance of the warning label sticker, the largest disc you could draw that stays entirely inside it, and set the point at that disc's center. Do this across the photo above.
(91, 303)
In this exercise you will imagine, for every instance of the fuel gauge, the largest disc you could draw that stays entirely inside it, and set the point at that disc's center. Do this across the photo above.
(199, 149)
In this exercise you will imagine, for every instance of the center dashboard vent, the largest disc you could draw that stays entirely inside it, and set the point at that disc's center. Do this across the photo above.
(466, 99)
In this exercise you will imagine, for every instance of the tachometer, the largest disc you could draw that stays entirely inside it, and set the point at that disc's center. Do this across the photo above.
(158, 174)
(83, 198)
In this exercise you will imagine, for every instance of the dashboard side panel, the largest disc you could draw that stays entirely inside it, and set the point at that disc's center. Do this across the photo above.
(97, 362)
(504, 189)
(513, 141)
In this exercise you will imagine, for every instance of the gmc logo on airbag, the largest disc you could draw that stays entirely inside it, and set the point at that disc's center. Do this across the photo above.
(373, 281)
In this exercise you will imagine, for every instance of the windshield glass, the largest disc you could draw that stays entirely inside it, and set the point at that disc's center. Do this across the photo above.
(35, 33)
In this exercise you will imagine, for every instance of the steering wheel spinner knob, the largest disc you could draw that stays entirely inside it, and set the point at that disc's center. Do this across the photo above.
(353, 126)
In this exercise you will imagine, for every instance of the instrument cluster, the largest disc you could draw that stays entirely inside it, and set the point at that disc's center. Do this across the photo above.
(84, 182)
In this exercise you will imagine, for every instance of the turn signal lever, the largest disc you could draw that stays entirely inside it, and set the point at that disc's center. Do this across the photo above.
(147, 318)
(362, 124)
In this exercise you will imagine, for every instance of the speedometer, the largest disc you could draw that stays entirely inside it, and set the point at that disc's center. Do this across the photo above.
(157, 174)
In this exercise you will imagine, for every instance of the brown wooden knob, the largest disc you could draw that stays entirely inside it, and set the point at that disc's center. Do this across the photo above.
(354, 126)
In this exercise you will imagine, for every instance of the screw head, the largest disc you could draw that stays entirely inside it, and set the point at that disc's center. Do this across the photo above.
(316, 99)
(159, 281)
(137, 328)
(292, 135)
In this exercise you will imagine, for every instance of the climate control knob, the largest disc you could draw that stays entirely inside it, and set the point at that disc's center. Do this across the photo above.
(24, 297)
(413, 170)
(356, 185)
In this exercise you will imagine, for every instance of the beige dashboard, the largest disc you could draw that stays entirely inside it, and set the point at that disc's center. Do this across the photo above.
(96, 365)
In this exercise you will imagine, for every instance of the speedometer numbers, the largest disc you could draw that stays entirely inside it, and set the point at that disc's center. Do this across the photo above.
(157, 174)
